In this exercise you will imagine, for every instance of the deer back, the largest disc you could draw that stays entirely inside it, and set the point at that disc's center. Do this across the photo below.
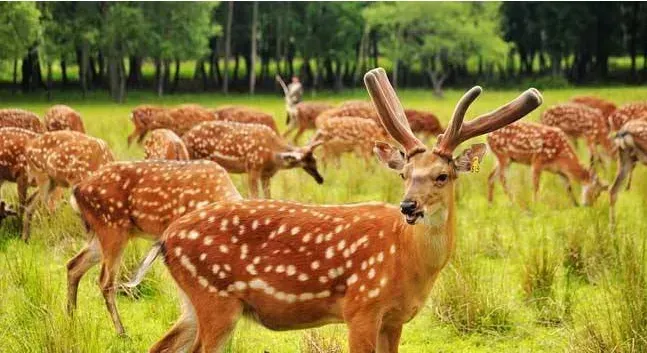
(633, 136)
(307, 112)
(184, 117)
(358, 109)
(352, 131)
(20, 118)
(606, 107)
(245, 115)
(423, 122)
(13, 144)
(630, 111)
(62, 117)
(165, 144)
(576, 120)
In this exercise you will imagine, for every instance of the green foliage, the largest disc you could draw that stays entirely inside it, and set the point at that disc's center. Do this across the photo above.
(19, 28)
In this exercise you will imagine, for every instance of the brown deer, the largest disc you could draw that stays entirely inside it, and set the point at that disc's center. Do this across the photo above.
(249, 148)
(631, 140)
(20, 118)
(62, 117)
(295, 266)
(13, 161)
(358, 109)
(348, 135)
(543, 148)
(145, 118)
(581, 121)
(125, 199)
(629, 111)
(165, 144)
(605, 106)
(247, 115)
(179, 120)
(59, 159)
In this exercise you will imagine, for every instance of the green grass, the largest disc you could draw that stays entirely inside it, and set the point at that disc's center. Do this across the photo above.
(543, 277)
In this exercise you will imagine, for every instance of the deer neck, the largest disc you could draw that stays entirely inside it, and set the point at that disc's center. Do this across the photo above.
(577, 172)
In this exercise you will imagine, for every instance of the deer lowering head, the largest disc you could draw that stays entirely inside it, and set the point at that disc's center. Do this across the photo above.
(20, 118)
(429, 174)
(62, 117)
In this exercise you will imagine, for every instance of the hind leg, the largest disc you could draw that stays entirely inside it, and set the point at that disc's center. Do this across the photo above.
(503, 168)
(182, 335)
(113, 241)
(77, 268)
(217, 317)
(45, 187)
(490, 182)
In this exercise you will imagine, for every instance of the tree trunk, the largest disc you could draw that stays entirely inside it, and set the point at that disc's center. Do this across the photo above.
(338, 84)
(15, 76)
(437, 81)
(361, 54)
(160, 76)
(279, 36)
(176, 79)
(167, 73)
(252, 76)
(375, 51)
(64, 71)
(122, 80)
(234, 79)
(556, 63)
(49, 81)
(396, 57)
(134, 71)
(101, 68)
(83, 68)
(230, 14)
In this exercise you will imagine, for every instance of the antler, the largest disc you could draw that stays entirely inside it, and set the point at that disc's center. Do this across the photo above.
(457, 132)
(391, 112)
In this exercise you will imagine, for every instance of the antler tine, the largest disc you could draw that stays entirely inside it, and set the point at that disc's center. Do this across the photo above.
(390, 111)
(447, 141)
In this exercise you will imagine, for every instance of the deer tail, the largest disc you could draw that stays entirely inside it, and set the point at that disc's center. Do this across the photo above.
(146, 264)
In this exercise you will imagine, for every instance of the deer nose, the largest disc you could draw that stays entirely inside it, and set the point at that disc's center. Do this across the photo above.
(408, 207)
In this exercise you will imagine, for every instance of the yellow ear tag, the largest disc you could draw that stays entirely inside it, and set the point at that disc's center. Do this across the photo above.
(475, 167)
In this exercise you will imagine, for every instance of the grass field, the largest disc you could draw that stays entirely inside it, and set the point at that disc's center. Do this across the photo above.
(544, 277)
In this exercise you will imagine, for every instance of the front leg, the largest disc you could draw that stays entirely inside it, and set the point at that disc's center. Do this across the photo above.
(265, 183)
(253, 177)
(389, 339)
(363, 333)
(536, 178)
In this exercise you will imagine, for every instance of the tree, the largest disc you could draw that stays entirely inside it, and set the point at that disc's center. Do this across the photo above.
(253, 54)
(19, 28)
(230, 15)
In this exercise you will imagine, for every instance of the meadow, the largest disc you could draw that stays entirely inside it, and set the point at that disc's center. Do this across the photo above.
(525, 277)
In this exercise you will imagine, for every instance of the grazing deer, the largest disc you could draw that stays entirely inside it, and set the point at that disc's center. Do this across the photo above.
(59, 159)
(300, 115)
(292, 266)
(145, 118)
(581, 121)
(249, 148)
(124, 198)
(62, 117)
(629, 111)
(165, 144)
(606, 107)
(179, 120)
(247, 115)
(348, 135)
(632, 148)
(543, 148)
(20, 118)
(358, 109)
(6, 211)
(13, 161)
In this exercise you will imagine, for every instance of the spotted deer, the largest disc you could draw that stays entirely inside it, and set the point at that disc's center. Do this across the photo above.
(629, 111)
(292, 266)
(606, 107)
(59, 159)
(247, 115)
(126, 199)
(348, 135)
(249, 148)
(631, 140)
(358, 109)
(581, 121)
(20, 118)
(145, 118)
(179, 120)
(165, 144)
(543, 148)
(62, 117)
(13, 161)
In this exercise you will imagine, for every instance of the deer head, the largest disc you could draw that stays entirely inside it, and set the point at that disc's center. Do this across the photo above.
(429, 174)
(592, 188)
(302, 157)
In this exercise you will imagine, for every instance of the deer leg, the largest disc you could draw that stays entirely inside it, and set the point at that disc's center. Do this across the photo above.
(113, 242)
(22, 183)
(53, 198)
(216, 322)
(569, 188)
(630, 174)
(503, 168)
(265, 183)
(182, 335)
(536, 178)
(363, 333)
(77, 268)
(389, 339)
(626, 166)
(44, 188)
(252, 183)
(490, 182)
(298, 135)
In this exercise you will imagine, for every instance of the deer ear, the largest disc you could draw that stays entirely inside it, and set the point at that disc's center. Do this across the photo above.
(389, 155)
(470, 159)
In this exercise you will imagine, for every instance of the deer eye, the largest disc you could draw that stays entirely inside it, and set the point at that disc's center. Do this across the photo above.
(402, 176)
(442, 178)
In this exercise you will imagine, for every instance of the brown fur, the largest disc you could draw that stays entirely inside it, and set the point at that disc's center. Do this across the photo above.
(348, 135)
(20, 118)
(165, 144)
(143, 196)
(606, 107)
(245, 115)
(629, 111)
(247, 148)
(358, 109)
(13, 162)
(179, 119)
(62, 117)
(543, 148)
(631, 141)
(424, 123)
(301, 117)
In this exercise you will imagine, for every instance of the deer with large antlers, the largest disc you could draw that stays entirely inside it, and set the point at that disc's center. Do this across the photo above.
(13, 161)
(20, 118)
(62, 117)
(543, 148)
(247, 115)
(59, 159)
(165, 144)
(126, 199)
(629, 111)
(179, 119)
(295, 265)
(604, 106)
(632, 148)
(249, 148)
(581, 121)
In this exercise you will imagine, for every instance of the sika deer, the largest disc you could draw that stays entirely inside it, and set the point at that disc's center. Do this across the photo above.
(13, 162)
(179, 120)
(543, 148)
(60, 159)
(578, 120)
(124, 198)
(20, 118)
(62, 117)
(605, 107)
(249, 148)
(630, 111)
(357, 109)
(165, 144)
(292, 266)
(300, 115)
(632, 147)
(348, 134)
(245, 115)
(146, 118)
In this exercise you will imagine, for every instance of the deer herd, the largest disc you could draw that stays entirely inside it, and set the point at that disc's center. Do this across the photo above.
(285, 264)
